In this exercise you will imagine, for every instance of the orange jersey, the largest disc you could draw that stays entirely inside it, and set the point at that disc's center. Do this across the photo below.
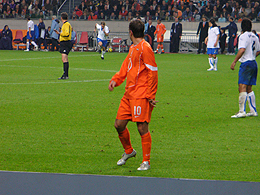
(140, 69)
(160, 30)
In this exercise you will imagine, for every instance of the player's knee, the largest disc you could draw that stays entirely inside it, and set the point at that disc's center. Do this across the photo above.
(142, 128)
(118, 127)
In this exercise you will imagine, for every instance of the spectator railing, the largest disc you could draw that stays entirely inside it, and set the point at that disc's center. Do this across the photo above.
(189, 42)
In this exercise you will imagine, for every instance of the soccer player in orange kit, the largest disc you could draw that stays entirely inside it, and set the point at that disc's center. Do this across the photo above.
(140, 69)
(160, 30)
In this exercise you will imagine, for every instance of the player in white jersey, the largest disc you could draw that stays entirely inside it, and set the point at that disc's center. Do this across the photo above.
(249, 49)
(30, 34)
(212, 42)
(103, 32)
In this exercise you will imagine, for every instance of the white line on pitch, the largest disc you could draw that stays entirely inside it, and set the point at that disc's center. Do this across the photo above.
(62, 82)
(18, 59)
(59, 68)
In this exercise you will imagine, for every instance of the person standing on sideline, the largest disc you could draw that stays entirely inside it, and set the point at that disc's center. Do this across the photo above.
(212, 42)
(103, 32)
(54, 36)
(140, 69)
(150, 31)
(203, 31)
(232, 32)
(248, 50)
(42, 35)
(30, 34)
(176, 32)
(222, 40)
(160, 30)
(65, 44)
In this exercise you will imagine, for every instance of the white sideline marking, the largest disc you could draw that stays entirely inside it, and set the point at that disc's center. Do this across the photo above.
(44, 58)
(62, 82)
(60, 68)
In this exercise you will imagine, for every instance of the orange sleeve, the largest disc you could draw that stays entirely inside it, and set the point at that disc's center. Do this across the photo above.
(151, 66)
(164, 29)
(120, 76)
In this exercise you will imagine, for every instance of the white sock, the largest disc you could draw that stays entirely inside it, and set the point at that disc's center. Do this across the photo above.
(211, 62)
(215, 63)
(251, 101)
(35, 45)
(27, 45)
(242, 101)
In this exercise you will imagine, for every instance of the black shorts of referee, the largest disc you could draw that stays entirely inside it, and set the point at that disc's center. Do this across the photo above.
(65, 47)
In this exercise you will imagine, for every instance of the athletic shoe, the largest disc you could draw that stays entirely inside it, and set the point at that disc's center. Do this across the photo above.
(63, 77)
(36, 48)
(232, 54)
(155, 51)
(210, 69)
(102, 57)
(144, 166)
(162, 52)
(27, 50)
(227, 54)
(251, 114)
(239, 115)
(215, 69)
(125, 157)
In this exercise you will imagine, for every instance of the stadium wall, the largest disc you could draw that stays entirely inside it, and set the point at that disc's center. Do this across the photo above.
(115, 26)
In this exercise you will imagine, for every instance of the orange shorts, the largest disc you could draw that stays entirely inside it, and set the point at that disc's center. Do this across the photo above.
(136, 110)
(159, 38)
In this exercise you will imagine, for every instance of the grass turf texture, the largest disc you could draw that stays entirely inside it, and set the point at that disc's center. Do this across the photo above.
(49, 125)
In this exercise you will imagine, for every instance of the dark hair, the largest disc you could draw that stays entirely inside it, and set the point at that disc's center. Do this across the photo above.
(213, 22)
(137, 27)
(28, 18)
(246, 25)
(64, 16)
(231, 18)
(103, 23)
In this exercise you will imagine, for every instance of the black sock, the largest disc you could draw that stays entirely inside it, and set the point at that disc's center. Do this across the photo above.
(66, 69)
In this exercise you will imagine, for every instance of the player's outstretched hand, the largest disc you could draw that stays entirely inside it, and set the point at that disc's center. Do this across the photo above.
(232, 67)
(111, 85)
(152, 102)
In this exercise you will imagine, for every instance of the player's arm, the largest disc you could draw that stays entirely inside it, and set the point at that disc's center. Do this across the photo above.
(95, 27)
(119, 77)
(257, 53)
(30, 31)
(206, 40)
(106, 31)
(238, 56)
(164, 30)
(152, 77)
(155, 32)
(216, 43)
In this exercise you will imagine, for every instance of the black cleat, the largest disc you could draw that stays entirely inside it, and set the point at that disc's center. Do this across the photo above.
(102, 58)
(63, 77)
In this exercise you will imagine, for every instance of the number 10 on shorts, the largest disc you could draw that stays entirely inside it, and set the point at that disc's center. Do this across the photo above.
(137, 110)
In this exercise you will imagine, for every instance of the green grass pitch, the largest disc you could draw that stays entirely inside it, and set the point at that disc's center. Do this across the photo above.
(49, 125)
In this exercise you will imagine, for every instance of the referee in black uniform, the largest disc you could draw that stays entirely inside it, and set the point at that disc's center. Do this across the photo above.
(65, 44)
